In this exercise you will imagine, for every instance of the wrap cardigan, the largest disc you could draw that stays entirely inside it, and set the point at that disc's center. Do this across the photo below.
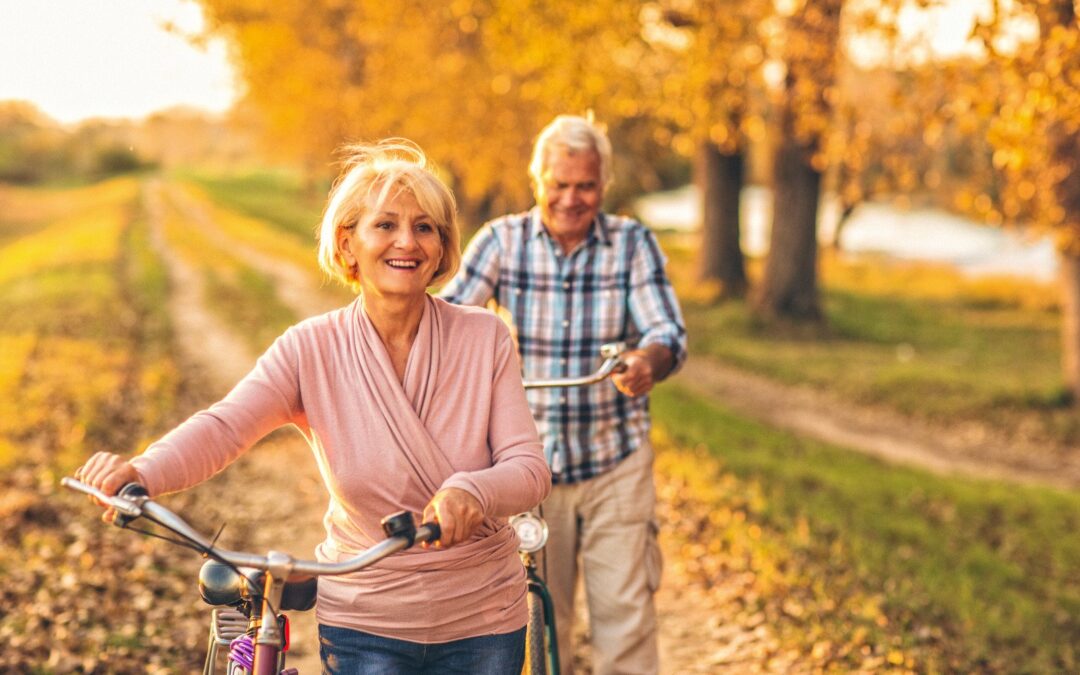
(459, 419)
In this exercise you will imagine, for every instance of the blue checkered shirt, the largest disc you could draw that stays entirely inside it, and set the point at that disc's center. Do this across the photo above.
(611, 287)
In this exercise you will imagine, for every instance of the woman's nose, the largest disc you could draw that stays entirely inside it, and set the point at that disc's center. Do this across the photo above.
(406, 238)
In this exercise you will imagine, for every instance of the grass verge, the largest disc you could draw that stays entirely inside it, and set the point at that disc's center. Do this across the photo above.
(866, 564)
(236, 292)
(274, 197)
(919, 339)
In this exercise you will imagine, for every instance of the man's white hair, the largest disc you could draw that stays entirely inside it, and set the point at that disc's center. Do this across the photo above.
(576, 134)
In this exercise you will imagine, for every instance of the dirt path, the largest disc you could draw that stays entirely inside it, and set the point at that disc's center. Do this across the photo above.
(290, 518)
(205, 342)
(298, 289)
(967, 449)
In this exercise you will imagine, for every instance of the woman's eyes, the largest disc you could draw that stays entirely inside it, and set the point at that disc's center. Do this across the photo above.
(389, 225)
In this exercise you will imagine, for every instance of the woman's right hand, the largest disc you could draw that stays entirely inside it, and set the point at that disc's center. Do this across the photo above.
(107, 472)
(458, 514)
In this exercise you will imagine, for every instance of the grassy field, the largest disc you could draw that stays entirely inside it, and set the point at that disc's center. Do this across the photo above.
(919, 339)
(79, 297)
(86, 364)
(277, 198)
(869, 565)
(857, 564)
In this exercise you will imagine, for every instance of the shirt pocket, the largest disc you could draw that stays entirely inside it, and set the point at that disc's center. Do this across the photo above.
(610, 303)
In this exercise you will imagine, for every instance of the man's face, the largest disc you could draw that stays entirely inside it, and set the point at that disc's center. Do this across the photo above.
(569, 194)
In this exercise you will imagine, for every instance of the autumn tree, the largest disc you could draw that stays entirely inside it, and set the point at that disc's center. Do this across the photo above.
(713, 93)
(1007, 130)
(810, 47)
(1036, 139)
(303, 67)
(469, 80)
(32, 146)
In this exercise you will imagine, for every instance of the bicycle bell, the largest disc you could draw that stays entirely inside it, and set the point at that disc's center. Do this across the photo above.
(532, 531)
(221, 584)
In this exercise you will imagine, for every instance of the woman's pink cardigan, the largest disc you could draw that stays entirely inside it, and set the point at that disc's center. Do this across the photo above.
(460, 420)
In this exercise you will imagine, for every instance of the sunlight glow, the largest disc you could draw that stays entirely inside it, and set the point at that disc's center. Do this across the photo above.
(76, 59)
(941, 31)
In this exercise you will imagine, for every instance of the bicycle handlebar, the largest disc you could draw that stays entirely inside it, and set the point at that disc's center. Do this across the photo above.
(401, 537)
(613, 362)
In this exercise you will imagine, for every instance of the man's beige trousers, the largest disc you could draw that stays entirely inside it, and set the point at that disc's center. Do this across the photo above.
(607, 526)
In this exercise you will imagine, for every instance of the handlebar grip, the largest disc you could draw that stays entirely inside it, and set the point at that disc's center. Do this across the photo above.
(129, 491)
(133, 490)
(431, 529)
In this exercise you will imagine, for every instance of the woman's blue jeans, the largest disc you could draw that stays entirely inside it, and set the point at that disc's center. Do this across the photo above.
(354, 652)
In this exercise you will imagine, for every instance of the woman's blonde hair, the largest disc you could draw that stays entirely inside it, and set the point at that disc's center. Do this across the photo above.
(386, 168)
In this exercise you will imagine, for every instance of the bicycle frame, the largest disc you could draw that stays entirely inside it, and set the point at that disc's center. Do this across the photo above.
(612, 355)
(130, 504)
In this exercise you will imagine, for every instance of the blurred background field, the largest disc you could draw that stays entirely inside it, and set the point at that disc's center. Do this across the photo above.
(807, 167)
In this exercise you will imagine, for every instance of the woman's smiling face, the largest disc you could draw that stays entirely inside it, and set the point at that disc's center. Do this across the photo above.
(395, 246)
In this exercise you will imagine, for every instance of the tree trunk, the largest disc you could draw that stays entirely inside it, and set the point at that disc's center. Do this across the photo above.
(721, 181)
(472, 213)
(1064, 145)
(789, 286)
(841, 220)
(1070, 321)
(1067, 193)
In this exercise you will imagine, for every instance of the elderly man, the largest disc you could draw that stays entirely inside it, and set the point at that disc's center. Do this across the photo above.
(573, 278)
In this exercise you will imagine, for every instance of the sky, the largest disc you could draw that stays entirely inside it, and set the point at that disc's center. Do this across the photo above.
(77, 59)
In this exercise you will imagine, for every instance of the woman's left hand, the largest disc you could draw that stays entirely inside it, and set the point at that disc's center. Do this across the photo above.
(458, 514)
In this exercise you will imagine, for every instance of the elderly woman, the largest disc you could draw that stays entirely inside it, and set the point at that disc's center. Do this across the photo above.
(409, 403)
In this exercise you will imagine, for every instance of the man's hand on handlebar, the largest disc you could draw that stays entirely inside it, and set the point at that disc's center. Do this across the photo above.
(107, 472)
(636, 379)
(457, 512)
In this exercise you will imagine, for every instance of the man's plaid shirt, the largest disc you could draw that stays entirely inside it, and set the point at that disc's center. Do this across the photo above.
(611, 287)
